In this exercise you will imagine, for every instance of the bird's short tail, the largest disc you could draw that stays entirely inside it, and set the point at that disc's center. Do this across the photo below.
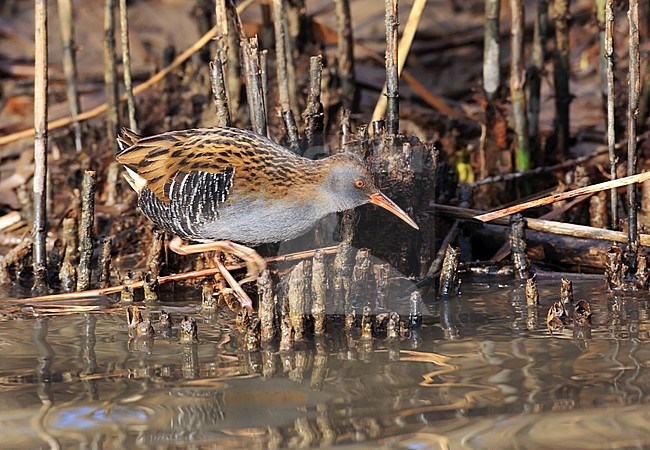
(135, 181)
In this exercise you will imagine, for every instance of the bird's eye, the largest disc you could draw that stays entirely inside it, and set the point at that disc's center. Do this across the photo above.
(360, 183)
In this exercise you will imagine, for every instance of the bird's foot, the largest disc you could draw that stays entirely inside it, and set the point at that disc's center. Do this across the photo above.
(255, 264)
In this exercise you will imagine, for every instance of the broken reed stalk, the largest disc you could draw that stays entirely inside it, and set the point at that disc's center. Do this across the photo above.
(611, 111)
(293, 139)
(449, 272)
(532, 291)
(281, 55)
(40, 144)
(517, 82)
(313, 115)
(286, 330)
(104, 277)
(344, 264)
(598, 210)
(561, 75)
(126, 65)
(491, 59)
(88, 188)
(319, 290)
(219, 92)
(402, 52)
(392, 77)
(550, 226)
(264, 76)
(625, 181)
(361, 281)
(228, 52)
(517, 241)
(15, 259)
(632, 113)
(250, 53)
(535, 71)
(110, 72)
(155, 252)
(345, 53)
(297, 299)
(449, 240)
(267, 303)
(68, 272)
(566, 292)
(382, 272)
(66, 19)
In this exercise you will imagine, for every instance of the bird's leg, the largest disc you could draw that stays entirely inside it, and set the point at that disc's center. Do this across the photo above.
(254, 262)
(244, 299)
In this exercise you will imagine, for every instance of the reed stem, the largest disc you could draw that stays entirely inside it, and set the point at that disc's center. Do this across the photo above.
(345, 53)
(126, 65)
(40, 144)
(561, 75)
(611, 109)
(517, 82)
(632, 114)
(66, 19)
(110, 73)
(392, 77)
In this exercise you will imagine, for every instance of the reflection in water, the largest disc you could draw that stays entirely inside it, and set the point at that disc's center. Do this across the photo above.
(483, 372)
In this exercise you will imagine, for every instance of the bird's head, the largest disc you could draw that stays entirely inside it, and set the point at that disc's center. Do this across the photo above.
(348, 183)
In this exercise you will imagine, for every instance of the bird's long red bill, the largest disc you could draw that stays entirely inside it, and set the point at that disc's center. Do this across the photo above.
(380, 199)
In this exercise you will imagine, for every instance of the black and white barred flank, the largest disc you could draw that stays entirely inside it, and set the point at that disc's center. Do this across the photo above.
(194, 202)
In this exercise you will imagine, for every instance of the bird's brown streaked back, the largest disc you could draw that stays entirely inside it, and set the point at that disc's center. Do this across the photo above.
(157, 159)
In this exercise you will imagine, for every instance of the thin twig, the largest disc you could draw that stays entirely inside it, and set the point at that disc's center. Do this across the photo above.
(626, 181)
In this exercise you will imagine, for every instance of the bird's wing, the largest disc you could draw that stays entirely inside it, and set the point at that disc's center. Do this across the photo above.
(160, 160)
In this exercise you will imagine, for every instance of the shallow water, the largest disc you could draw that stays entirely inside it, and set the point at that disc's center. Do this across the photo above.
(483, 372)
